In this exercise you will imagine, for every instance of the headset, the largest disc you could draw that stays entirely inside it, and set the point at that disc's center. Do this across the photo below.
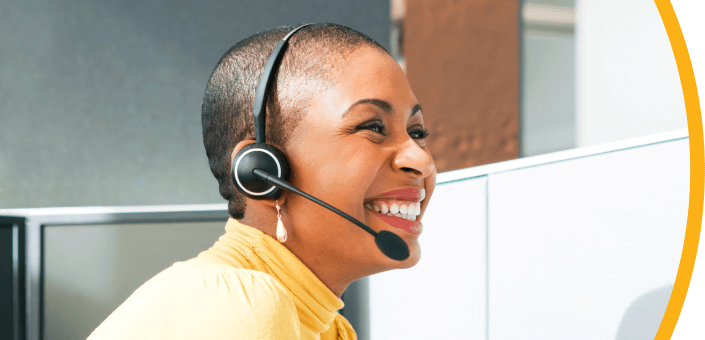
(261, 171)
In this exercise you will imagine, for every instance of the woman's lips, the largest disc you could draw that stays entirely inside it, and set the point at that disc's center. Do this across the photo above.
(413, 227)
(406, 194)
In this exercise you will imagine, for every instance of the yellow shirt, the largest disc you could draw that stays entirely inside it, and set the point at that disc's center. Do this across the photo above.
(247, 286)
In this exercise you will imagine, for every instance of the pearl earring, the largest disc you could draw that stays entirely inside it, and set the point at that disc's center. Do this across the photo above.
(281, 231)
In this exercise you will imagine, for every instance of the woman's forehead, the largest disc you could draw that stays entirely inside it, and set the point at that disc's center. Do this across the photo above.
(369, 73)
(368, 66)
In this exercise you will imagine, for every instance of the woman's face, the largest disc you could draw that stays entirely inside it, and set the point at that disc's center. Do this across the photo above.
(361, 145)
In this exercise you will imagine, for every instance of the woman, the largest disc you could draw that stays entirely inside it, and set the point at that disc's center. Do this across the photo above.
(343, 113)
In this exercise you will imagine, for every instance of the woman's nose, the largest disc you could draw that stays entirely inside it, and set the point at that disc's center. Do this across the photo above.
(414, 160)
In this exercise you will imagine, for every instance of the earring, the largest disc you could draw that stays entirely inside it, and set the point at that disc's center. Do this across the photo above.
(281, 231)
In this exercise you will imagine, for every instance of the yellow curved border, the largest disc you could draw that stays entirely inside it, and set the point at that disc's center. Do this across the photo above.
(697, 170)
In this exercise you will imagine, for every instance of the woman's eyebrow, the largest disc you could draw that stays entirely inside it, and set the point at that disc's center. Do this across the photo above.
(383, 105)
(417, 108)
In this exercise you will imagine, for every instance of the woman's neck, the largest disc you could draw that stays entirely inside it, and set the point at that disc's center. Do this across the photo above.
(327, 267)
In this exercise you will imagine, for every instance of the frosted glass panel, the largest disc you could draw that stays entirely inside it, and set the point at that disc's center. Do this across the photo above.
(90, 270)
(587, 248)
(548, 91)
(443, 296)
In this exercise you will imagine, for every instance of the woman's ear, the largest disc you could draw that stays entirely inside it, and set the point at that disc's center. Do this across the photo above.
(239, 147)
(269, 202)
(244, 143)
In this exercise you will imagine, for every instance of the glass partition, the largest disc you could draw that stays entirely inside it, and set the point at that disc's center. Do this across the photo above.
(595, 72)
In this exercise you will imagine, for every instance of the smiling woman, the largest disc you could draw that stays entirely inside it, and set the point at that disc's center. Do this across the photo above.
(341, 110)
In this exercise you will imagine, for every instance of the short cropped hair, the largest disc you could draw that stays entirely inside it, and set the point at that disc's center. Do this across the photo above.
(308, 67)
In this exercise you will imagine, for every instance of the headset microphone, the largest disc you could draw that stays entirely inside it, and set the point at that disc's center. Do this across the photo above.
(261, 171)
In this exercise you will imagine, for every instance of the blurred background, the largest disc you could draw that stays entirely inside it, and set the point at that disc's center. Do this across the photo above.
(100, 100)
(100, 105)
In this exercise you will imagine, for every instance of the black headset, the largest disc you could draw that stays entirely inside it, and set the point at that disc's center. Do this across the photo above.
(261, 171)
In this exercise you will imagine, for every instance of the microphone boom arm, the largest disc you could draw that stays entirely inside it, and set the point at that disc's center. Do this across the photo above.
(389, 243)
(277, 182)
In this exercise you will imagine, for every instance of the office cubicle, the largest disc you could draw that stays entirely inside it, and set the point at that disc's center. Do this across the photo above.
(583, 242)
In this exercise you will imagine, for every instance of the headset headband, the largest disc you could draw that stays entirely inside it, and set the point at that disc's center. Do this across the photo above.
(260, 105)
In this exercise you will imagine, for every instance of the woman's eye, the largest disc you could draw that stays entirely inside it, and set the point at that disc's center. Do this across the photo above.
(419, 134)
(379, 128)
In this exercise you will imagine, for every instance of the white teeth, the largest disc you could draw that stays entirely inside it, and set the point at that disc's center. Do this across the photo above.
(408, 211)
(423, 194)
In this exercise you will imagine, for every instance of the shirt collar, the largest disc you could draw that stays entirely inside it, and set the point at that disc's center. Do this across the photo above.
(246, 247)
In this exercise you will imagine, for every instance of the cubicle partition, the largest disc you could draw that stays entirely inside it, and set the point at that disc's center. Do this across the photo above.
(581, 243)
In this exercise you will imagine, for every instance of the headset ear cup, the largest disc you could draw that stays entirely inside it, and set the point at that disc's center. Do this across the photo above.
(258, 156)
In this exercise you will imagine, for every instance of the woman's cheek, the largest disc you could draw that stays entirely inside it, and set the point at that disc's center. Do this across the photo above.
(430, 186)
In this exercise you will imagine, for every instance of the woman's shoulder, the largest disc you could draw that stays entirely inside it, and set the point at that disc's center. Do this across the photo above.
(223, 282)
(195, 298)
(227, 280)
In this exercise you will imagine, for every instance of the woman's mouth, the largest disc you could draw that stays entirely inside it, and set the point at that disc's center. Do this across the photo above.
(398, 208)
(413, 227)
(398, 211)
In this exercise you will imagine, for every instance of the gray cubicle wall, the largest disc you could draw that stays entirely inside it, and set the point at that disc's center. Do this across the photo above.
(583, 243)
